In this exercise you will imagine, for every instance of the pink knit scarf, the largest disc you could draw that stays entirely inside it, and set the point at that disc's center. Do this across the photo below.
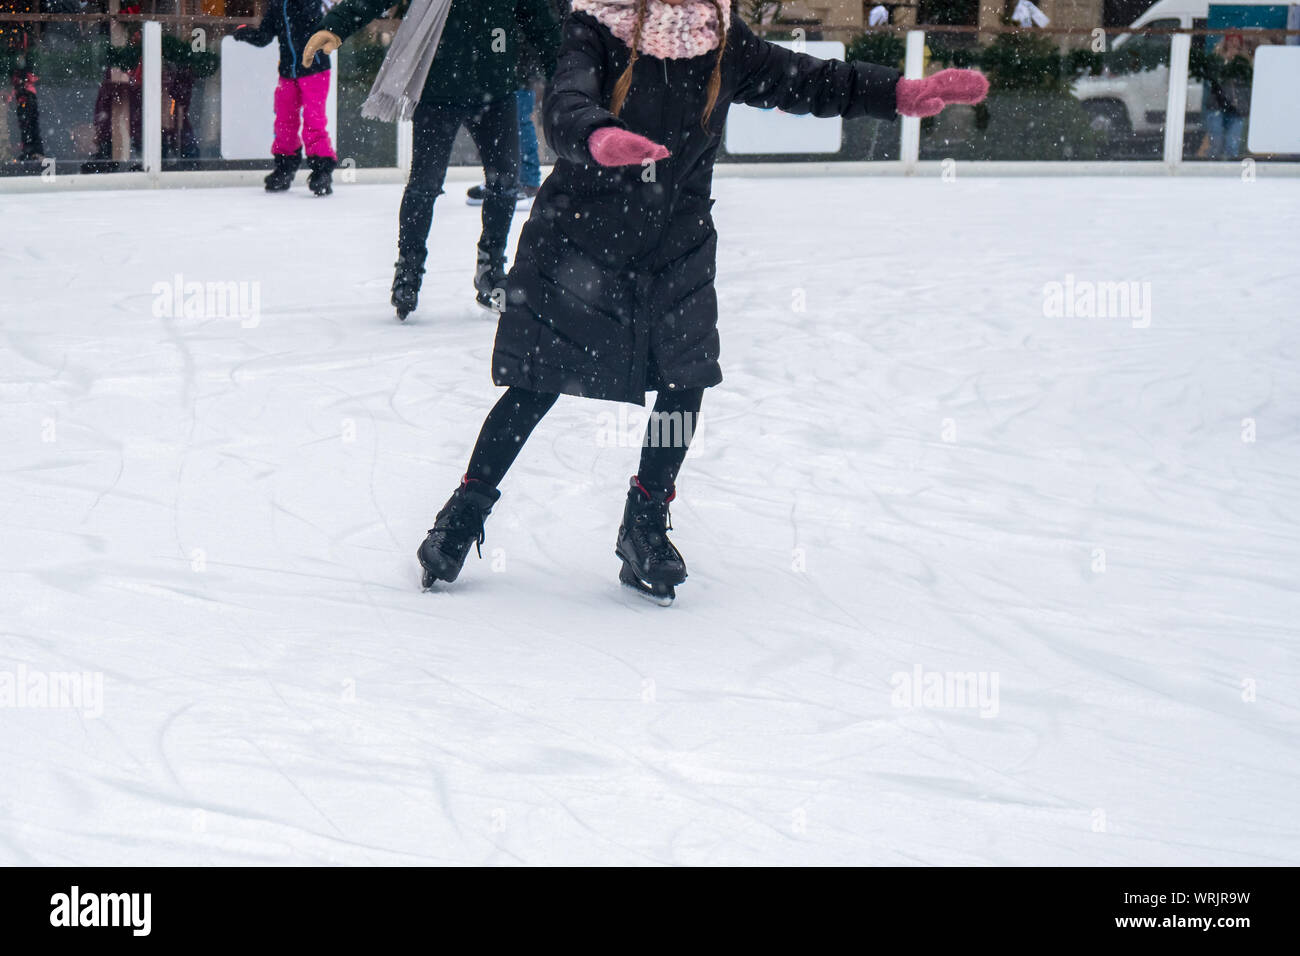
(669, 32)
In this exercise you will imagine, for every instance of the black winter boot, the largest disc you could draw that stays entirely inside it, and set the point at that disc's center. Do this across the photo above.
(321, 180)
(475, 195)
(651, 563)
(459, 524)
(490, 280)
(406, 283)
(281, 178)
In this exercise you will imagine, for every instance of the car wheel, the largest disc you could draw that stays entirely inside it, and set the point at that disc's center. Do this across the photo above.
(1109, 120)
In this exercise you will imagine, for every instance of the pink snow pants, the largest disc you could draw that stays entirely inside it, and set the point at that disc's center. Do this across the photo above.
(306, 93)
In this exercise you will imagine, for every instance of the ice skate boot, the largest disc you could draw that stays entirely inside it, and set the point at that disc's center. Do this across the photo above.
(286, 166)
(652, 565)
(406, 284)
(458, 526)
(321, 180)
(490, 280)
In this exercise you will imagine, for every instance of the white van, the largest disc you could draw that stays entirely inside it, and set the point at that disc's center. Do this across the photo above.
(1128, 105)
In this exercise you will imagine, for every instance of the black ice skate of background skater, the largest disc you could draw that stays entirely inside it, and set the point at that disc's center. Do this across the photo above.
(611, 293)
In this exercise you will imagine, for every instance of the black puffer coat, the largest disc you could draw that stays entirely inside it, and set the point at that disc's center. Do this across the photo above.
(611, 293)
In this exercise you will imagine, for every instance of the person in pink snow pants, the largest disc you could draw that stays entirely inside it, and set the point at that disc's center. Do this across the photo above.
(300, 96)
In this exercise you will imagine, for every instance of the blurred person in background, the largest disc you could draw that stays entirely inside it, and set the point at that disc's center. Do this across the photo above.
(1227, 102)
(126, 92)
(18, 40)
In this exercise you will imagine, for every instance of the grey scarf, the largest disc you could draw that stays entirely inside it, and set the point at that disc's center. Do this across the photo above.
(401, 76)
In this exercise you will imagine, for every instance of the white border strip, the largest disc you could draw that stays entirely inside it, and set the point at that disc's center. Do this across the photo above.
(1180, 52)
(246, 178)
(909, 145)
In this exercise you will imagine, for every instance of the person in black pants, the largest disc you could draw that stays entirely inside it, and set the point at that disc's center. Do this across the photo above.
(494, 127)
(471, 83)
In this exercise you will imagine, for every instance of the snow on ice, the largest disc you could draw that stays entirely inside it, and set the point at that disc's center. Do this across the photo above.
(976, 576)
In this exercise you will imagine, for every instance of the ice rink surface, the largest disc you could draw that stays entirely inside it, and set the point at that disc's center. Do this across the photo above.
(915, 475)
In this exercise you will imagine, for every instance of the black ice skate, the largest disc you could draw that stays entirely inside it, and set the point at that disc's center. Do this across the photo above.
(286, 166)
(490, 280)
(475, 195)
(652, 566)
(406, 284)
(321, 180)
(459, 524)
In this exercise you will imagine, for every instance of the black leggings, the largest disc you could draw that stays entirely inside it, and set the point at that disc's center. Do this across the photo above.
(516, 414)
(494, 127)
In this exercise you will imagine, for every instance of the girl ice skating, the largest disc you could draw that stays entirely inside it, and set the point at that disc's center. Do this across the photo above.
(611, 294)
(299, 96)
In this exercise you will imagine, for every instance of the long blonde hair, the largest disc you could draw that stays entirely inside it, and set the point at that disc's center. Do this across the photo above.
(624, 83)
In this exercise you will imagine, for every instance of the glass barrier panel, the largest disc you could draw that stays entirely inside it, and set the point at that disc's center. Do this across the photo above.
(764, 136)
(1061, 97)
(209, 79)
(191, 95)
(367, 144)
(71, 97)
(1221, 92)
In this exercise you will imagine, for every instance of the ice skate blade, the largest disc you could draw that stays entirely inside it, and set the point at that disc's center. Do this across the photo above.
(661, 594)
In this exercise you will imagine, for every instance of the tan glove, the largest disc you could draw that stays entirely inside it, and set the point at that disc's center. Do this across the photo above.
(322, 41)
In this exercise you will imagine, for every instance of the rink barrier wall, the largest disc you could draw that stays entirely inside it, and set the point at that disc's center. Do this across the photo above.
(152, 175)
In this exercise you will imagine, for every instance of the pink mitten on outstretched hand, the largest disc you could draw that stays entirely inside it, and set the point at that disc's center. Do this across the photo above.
(614, 146)
(930, 95)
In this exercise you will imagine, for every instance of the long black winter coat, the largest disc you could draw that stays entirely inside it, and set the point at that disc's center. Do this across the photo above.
(611, 293)
(292, 22)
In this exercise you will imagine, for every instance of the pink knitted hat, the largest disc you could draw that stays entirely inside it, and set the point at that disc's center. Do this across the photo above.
(669, 32)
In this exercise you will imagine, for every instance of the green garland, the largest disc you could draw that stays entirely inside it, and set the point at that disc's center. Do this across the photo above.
(180, 54)
(883, 49)
(175, 51)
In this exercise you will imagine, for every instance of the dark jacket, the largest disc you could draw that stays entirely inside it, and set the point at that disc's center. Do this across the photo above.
(466, 69)
(611, 292)
(1230, 87)
(292, 22)
(537, 65)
